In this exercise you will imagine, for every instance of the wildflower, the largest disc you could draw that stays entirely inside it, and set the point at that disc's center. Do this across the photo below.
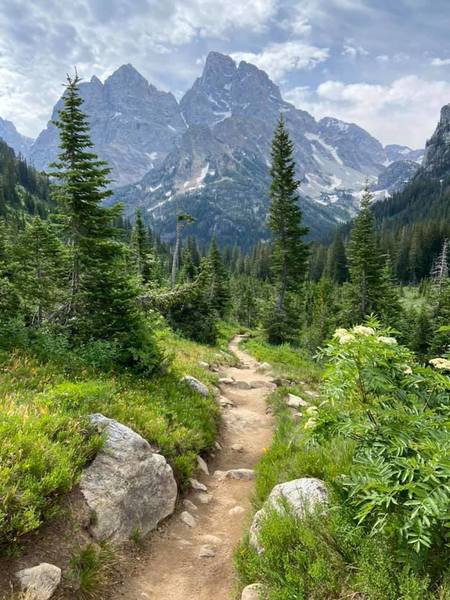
(407, 370)
(311, 411)
(443, 364)
(348, 337)
(343, 335)
(340, 332)
(386, 340)
(363, 330)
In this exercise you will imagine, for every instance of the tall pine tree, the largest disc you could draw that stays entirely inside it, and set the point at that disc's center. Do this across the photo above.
(289, 251)
(365, 261)
(102, 300)
(220, 284)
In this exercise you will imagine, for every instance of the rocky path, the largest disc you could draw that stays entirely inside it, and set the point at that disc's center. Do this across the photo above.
(191, 558)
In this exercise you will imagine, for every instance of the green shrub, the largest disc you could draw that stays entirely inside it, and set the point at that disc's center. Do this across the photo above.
(40, 458)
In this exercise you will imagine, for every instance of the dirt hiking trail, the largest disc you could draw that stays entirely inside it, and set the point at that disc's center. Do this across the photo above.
(195, 561)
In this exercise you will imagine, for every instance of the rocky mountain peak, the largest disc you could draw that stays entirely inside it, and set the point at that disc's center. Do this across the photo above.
(133, 124)
(436, 160)
(18, 142)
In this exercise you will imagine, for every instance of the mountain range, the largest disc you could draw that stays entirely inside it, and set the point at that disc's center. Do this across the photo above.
(209, 154)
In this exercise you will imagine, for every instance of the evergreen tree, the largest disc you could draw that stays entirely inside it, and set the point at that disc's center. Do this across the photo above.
(337, 268)
(141, 248)
(183, 219)
(42, 269)
(289, 251)
(102, 300)
(364, 261)
(220, 283)
(388, 303)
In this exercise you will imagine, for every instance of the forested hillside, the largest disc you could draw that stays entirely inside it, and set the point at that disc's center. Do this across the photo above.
(22, 189)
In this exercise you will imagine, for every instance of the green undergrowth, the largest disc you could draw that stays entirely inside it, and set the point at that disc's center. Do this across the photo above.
(46, 439)
(287, 361)
(383, 534)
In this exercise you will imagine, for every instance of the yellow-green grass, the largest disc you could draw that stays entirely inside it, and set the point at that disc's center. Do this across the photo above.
(46, 439)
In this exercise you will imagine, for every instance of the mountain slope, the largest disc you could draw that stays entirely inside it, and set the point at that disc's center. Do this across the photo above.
(426, 197)
(219, 170)
(22, 189)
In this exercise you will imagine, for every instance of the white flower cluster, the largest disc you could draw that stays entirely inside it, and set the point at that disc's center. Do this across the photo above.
(443, 364)
(344, 335)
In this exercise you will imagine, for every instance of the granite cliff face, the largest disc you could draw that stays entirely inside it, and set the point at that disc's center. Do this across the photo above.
(15, 140)
(133, 125)
(436, 161)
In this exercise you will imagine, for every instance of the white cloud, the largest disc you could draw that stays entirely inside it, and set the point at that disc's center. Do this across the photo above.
(353, 51)
(440, 62)
(41, 41)
(405, 111)
(281, 58)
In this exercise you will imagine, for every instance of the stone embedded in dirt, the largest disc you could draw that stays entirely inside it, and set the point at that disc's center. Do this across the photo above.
(237, 448)
(40, 582)
(202, 465)
(203, 364)
(196, 385)
(188, 505)
(255, 591)
(213, 540)
(188, 519)
(242, 385)
(244, 474)
(196, 485)
(269, 410)
(218, 445)
(204, 498)
(184, 543)
(225, 402)
(226, 380)
(258, 384)
(312, 394)
(294, 401)
(127, 487)
(206, 552)
(219, 475)
(237, 510)
(263, 367)
(302, 495)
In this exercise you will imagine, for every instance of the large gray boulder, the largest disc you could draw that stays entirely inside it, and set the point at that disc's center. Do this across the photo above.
(128, 486)
(196, 385)
(40, 582)
(301, 496)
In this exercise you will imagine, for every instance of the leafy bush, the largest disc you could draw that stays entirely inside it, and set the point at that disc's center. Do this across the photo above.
(397, 411)
(378, 436)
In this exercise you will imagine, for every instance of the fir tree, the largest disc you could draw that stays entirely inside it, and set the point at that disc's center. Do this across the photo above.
(183, 219)
(220, 284)
(337, 268)
(364, 261)
(289, 251)
(102, 299)
(143, 255)
(42, 269)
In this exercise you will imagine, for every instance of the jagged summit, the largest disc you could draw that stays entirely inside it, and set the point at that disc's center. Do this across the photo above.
(19, 143)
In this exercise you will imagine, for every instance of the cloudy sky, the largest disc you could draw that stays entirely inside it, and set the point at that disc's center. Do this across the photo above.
(383, 64)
